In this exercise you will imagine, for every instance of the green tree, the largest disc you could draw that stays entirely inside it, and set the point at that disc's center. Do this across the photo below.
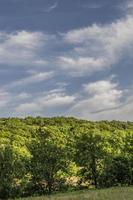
(49, 157)
(90, 154)
(6, 171)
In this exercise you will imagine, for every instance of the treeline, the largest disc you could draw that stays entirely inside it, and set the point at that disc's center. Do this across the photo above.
(44, 155)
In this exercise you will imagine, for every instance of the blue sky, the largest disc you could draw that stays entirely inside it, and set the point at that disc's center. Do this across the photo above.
(66, 58)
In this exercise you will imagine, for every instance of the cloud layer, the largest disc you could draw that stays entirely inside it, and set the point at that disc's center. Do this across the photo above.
(46, 68)
(99, 47)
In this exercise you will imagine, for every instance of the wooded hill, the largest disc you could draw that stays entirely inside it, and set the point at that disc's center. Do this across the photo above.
(44, 155)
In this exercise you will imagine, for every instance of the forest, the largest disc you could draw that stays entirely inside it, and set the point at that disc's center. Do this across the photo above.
(41, 156)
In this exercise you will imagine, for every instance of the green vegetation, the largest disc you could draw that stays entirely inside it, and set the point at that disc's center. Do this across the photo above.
(104, 194)
(39, 156)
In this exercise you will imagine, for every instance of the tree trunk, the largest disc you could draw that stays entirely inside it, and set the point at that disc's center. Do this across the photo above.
(49, 187)
(94, 172)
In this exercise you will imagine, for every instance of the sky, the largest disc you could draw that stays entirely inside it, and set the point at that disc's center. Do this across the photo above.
(66, 58)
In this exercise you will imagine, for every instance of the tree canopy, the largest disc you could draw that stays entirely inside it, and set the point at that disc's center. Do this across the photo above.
(43, 155)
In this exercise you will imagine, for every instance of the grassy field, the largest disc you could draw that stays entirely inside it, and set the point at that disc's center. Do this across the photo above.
(106, 194)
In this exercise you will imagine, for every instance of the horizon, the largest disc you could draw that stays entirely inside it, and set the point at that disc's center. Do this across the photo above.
(65, 117)
(66, 58)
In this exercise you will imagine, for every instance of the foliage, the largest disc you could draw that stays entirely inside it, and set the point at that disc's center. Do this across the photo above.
(44, 155)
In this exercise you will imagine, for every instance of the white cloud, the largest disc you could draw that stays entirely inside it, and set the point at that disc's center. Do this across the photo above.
(78, 52)
(52, 99)
(94, 48)
(87, 64)
(27, 108)
(23, 96)
(98, 47)
(56, 99)
(51, 8)
(129, 4)
(99, 87)
(36, 77)
(23, 48)
(124, 112)
(4, 98)
(99, 96)
(103, 34)
(93, 5)
(24, 39)
(99, 100)
(126, 6)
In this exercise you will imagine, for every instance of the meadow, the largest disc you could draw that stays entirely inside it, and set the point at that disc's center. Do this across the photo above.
(119, 193)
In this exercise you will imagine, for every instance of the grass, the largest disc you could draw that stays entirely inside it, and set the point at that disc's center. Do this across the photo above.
(119, 193)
